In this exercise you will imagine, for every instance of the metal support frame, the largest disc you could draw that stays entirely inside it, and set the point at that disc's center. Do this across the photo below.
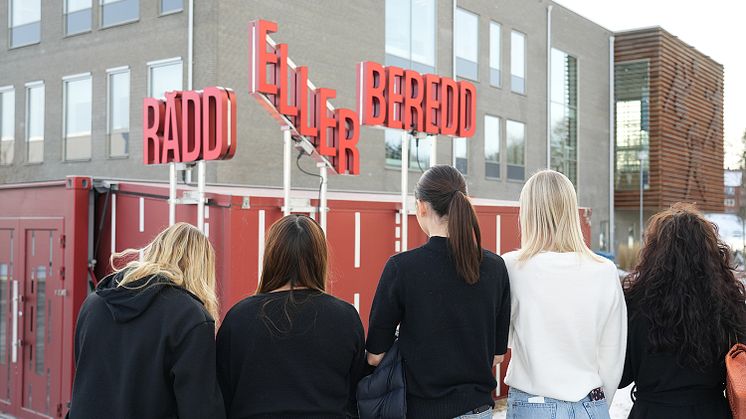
(323, 196)
(433, 149)
(404, 188)
(549, 86)
(286, 168)
(171, 194)
(201, 175)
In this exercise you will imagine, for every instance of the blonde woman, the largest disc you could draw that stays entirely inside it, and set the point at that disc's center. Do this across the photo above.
(568, 321)
(145, 340)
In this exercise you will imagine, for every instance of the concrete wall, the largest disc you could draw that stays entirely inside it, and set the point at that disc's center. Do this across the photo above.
(330, 37)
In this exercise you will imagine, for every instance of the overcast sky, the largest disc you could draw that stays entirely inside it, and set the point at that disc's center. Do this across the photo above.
(715, 27)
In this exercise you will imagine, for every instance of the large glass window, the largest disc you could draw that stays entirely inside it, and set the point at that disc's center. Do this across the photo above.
(410, 34)
(35, 122)
(419, 151)
(467, 44)
(492, 147)
(115, 12)
(119, 112)
(632, 99)
(77, 111)
(171, 6)
(516, 147)
(461, 154)
(564, 120)
(165, 76)
(518, 62)
(25, 22)
(78, 16)
(495, 58)
(7, 125)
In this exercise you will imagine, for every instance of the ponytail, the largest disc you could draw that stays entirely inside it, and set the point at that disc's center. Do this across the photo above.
(465, 239)
(444, 188)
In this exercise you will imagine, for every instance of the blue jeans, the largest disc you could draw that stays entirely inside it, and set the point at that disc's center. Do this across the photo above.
(520, 408)
(483, 415)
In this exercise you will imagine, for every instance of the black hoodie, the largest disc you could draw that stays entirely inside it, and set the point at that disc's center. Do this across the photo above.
(144, 353)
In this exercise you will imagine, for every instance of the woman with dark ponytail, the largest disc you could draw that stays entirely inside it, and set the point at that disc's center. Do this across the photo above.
(451, 301)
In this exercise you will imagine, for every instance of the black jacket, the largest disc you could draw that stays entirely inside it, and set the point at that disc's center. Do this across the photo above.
(383, 394)
(286, 354)
(449, 331)
(145, 353)
(664, 389)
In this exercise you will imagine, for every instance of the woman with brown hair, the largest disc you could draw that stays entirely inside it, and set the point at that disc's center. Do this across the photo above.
(145, 340)
(291, 350)
(686, 310)
(451, 301)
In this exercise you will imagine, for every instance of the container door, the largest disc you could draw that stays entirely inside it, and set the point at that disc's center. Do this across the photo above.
(42, 295)
(8, 239)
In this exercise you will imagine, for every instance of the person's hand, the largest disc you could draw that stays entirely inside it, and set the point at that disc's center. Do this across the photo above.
(375, 359)
(498, 359)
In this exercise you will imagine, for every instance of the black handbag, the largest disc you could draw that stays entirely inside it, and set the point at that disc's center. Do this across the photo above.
(383, 394)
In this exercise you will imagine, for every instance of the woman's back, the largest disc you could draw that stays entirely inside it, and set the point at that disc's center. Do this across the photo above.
(144, 353)
(567, 325)
(293, 354)
(450, 330)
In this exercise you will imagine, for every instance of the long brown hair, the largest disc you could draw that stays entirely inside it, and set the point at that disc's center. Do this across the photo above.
(295, 254)
(444, 188)
(180, 253)
(685, 287)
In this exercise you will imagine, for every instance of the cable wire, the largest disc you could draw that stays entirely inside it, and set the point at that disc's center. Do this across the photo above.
(321, 180)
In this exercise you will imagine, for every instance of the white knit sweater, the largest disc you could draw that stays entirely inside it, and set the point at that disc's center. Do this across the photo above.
(568, 327)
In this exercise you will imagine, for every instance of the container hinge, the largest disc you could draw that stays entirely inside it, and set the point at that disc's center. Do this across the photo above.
(59, 410)
(62, 241)
(62, 273)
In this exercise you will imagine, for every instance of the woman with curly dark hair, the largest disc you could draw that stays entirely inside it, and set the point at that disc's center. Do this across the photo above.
(686, 309)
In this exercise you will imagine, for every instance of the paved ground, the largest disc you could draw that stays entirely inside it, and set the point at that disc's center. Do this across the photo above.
(619, 408)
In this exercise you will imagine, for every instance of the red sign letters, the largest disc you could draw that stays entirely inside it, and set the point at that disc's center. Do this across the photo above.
(404, 99)
(190, 126)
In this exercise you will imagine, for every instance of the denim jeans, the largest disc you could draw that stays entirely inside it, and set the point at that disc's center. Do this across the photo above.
(520, 408)
(483, 415)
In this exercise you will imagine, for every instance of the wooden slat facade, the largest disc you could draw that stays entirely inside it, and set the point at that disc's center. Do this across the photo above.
(685, 122)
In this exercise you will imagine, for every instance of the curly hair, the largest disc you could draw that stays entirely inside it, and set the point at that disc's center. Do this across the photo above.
(685, 287)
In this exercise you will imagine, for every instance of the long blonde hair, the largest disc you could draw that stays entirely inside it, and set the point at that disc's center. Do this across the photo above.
(180, 253)
(549, 215)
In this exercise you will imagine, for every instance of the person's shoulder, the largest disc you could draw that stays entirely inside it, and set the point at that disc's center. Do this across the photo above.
(340, 306)
(609, 268)
(510, 258)
(183, 303)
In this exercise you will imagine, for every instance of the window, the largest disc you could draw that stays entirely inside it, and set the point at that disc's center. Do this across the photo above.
(730, 202)
(730, 190)
(564, 120)
(632, 114)
(118, 118)
(7, 124)
(516, 136)
(78, 16)
(495, 39)
(115, 12)
(518, 62)
(35, 122)
(25, 22)
(171, 6)
(419, 158)
(77, 112)
(410, 34)
(164, 76)
(491, 147)
(461, 154)
(467, 44)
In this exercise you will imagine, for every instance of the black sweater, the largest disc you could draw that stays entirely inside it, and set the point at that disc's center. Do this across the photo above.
(146, 353)
(663, 388)
(449, 330)
(285, 354)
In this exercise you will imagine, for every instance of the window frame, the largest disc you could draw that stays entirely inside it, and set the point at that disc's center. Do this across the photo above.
(28, 86)
(4, 90)
(458, 31)
(568, 109)
(466, 156)
(411, 63)
(66, 80)
(161, 63)
(525, 61)
(109, 73)
(10, 26)
(500, 148)
(499, 25)
(171, 12)
(66, 34)
(101, 25)
(525, 143)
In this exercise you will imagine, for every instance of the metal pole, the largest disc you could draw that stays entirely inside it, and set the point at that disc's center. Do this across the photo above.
(433, 150)
(190, 46)
(201, 169)
(171, 194)
(549, 86)
(642, 186)
(404, 188)
(322, 203)
(286, 168)
(612, 145)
